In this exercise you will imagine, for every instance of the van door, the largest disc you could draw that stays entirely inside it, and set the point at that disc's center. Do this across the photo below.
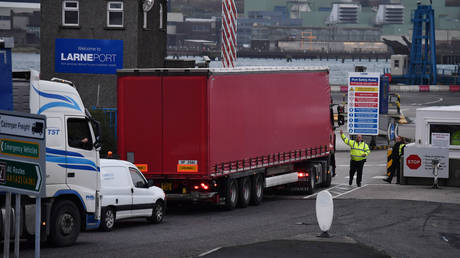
(116, 190)
(142, 196)
(81, 157)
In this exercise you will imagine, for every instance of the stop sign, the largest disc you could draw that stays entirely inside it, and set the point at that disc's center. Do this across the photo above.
(413, 161)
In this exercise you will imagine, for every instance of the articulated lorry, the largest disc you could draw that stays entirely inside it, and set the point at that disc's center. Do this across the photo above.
(72, 200)
(223, 135)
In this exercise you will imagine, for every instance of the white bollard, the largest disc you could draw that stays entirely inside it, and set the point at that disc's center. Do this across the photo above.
(324, 211)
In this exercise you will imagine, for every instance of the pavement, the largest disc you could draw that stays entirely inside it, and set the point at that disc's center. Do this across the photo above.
(407, 221)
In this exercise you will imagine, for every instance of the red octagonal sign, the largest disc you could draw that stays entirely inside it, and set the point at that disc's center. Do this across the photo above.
(413, 161)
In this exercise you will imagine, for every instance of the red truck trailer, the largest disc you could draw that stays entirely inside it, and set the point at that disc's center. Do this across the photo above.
(223, 135)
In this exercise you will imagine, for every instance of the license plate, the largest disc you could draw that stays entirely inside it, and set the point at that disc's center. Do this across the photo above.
(166, 186)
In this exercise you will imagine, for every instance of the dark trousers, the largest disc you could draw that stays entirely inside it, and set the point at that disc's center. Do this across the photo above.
(395, 168)
(356, 166)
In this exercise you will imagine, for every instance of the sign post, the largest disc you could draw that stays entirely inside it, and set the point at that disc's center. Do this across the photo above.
(363, 103)
(22, 168)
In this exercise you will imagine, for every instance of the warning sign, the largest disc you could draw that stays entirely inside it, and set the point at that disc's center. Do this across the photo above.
(363, 103)
(418, 161)
(187, 166)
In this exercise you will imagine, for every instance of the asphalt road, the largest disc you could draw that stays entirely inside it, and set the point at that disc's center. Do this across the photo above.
(399, 228)
(377, 219)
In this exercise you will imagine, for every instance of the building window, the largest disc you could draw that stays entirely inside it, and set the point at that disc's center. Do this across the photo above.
(115, 14)
(70, 13)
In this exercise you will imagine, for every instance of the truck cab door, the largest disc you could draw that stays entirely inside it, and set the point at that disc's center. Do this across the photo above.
(82, 158)
(142, 196)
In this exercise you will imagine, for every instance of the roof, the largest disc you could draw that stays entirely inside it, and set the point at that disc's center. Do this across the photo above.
(20, 5)
(115, 162)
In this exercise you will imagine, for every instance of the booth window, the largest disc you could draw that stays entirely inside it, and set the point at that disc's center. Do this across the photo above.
(452, 129)
(115, 14)
(70, 13)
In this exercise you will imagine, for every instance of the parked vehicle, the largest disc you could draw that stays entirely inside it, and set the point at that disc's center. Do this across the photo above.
(127, 194)
(223, 135)
(72, 200)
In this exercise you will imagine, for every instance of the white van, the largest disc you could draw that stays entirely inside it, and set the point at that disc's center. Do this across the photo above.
(127, 194)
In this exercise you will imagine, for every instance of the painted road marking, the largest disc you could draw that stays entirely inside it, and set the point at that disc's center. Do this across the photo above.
(366, 165)
(210, 251)
(336, 191)
(380, 177)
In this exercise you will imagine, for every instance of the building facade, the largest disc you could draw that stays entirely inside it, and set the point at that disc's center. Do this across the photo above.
(87, 41)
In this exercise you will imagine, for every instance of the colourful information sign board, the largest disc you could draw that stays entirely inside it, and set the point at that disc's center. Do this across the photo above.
(363, 103)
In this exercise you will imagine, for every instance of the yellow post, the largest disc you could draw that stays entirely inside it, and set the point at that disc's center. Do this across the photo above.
(389, 161)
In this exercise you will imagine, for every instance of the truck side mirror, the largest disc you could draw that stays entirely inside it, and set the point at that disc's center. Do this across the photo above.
(97, 144)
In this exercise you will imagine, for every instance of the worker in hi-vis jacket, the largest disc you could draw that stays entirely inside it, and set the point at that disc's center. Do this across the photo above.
(359, 152)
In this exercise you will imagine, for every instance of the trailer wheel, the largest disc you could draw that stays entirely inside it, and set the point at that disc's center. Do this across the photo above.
(65, 223)
(231, 195)
(244, 186)
(328, 174)
(310, 184)
(108, 219)
(257, 189)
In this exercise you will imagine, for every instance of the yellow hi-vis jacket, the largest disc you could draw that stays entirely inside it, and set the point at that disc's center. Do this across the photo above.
(357, 148)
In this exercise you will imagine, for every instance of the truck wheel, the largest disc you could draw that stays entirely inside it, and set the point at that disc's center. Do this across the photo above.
(328, 180)
(257, 189)
(108, 219)
(310, 184)
(65, 223)
(158, 213)
(245, 192)
(231, 195)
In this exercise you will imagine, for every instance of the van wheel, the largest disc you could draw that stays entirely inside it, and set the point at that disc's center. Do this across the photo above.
(158, 213)
(108, 219)
(231, 195)
(65, 223)
(257, 189)
(245, 192)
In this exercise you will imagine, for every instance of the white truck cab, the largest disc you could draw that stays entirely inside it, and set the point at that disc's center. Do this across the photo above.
(72, 200)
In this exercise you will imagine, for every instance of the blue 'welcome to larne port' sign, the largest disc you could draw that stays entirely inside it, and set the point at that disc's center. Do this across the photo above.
(88, 56)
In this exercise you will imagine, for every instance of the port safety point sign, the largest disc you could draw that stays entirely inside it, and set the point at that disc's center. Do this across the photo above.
(363, 103)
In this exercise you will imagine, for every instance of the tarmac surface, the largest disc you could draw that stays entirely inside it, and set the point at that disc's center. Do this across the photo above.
(400, 221)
